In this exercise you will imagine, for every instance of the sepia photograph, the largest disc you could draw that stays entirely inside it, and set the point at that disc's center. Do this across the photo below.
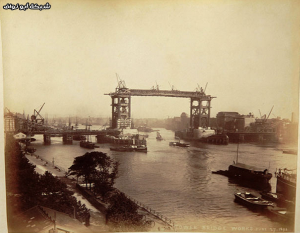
(149, 116)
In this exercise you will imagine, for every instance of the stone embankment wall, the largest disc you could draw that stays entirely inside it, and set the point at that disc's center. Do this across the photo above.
(92, 199)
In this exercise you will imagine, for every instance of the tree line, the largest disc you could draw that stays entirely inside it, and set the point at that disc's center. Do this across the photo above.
(25, 188)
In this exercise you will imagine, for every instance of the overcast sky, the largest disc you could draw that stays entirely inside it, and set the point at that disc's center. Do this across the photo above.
(68, 56)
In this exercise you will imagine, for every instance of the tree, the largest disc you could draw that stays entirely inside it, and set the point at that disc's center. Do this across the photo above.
(21, 178)
(26, 188)
(96, 167)
(123, 213)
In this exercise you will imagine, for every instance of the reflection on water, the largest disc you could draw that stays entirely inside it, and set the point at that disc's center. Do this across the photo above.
(178, 183)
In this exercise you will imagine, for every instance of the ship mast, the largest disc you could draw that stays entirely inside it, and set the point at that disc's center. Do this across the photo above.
(237, 152)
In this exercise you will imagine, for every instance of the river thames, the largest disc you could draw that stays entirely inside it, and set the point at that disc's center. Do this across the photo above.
(178, 182)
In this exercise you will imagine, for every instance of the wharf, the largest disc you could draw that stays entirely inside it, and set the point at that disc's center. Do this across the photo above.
(252, 136)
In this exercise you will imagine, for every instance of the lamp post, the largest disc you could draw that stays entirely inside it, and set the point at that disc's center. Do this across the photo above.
(74, 212)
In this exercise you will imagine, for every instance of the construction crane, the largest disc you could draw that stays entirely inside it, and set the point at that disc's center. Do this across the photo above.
(37, 117)
(121, 83)
(269, 113)
(200, 89)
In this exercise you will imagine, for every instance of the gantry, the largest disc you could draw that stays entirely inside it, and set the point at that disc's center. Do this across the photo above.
(200, 104)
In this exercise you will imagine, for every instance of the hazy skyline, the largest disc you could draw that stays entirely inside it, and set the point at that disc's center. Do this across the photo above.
(68, 56)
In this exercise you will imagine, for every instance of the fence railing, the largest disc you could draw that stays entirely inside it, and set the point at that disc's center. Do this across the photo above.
(153, 212)
(49, 163)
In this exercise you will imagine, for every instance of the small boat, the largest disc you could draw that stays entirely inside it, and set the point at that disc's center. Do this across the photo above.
(130, 148)
(275, 197)
(121, 148)
(279, 199)
(221, 172)
(252, 201)
(141, 148)
(159, 137)
(87, 144)
(281, 214)
(290, 151)
(181, 144)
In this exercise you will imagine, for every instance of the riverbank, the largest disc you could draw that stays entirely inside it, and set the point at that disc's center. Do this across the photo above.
(97, 218)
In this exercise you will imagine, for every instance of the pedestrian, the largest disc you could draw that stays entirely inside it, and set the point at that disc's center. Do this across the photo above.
(87, 219)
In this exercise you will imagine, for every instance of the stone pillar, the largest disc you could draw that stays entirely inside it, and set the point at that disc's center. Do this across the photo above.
(47, 139)
(67, 139)
(101, 138)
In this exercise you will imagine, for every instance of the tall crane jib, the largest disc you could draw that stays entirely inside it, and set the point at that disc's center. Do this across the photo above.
(37, 119)
(121, 104)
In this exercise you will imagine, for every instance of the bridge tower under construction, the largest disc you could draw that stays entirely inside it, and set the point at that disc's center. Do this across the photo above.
(200, 112)
(121, 107)
(200, 104)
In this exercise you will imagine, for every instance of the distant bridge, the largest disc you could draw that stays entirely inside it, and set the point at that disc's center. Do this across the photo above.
(69, 132)
(121, 104)
(68, 135)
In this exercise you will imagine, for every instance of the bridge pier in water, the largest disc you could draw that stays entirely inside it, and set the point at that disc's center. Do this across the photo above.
(67, 139)
(47, 139)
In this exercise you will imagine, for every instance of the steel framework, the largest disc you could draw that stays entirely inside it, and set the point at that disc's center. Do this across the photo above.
(121, 104)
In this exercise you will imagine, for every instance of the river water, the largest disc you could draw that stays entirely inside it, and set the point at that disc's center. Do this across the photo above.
(178, 183)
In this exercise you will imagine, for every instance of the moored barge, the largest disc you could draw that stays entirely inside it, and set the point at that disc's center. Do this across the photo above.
(130, 148)
(249, 173)
(87, 144)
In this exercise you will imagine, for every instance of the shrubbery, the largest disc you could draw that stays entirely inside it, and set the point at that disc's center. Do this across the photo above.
(26, 188)
(100, 170)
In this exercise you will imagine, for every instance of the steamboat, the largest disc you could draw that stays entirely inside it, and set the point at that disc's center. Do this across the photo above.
(286, 183)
